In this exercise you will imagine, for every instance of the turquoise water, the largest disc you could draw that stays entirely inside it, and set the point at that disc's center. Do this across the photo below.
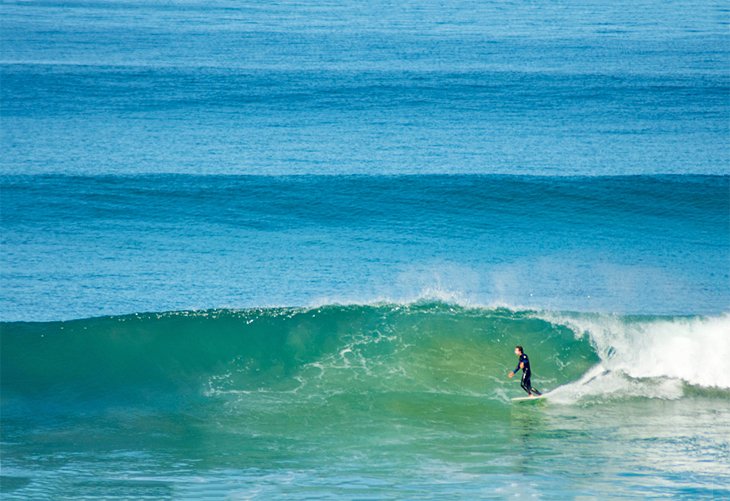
(352, 401)
(286, 250)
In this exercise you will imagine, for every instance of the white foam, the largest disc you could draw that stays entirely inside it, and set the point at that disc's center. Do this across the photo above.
(426, 294)
(651, 358)
(439, 282)
(602, 384)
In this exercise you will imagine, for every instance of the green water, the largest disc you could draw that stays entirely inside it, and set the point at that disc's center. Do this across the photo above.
(382, 401)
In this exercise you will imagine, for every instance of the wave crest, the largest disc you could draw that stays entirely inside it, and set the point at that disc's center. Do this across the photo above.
(650, 357)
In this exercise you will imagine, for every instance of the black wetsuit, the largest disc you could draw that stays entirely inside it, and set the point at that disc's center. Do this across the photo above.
(526, 375)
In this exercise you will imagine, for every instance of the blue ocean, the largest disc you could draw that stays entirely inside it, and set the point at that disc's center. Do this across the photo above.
(286, 250)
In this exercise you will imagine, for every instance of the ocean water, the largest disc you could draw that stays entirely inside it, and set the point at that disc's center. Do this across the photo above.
(80, 246)
(285, 250)
(545, 87)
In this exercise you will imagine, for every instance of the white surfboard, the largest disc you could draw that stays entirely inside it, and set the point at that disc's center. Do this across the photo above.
(527, 399)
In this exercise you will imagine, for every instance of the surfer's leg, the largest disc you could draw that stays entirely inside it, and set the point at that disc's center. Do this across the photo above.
(525, 382)
(535, 392)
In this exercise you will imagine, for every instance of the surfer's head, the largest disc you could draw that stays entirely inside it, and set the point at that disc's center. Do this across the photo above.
(519, 350)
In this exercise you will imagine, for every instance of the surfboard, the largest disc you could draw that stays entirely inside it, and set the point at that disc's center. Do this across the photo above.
(527, 399)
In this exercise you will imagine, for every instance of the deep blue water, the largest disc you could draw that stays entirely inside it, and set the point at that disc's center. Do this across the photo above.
(329, 88)
(309, 235)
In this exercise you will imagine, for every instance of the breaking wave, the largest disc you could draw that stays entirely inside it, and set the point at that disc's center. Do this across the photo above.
(354, 351)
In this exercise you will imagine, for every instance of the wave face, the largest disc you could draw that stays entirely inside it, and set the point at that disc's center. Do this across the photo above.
(294, 401)
(356, 351)
(426, 347)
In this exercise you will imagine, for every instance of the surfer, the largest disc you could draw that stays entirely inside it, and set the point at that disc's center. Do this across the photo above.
(524, 365)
